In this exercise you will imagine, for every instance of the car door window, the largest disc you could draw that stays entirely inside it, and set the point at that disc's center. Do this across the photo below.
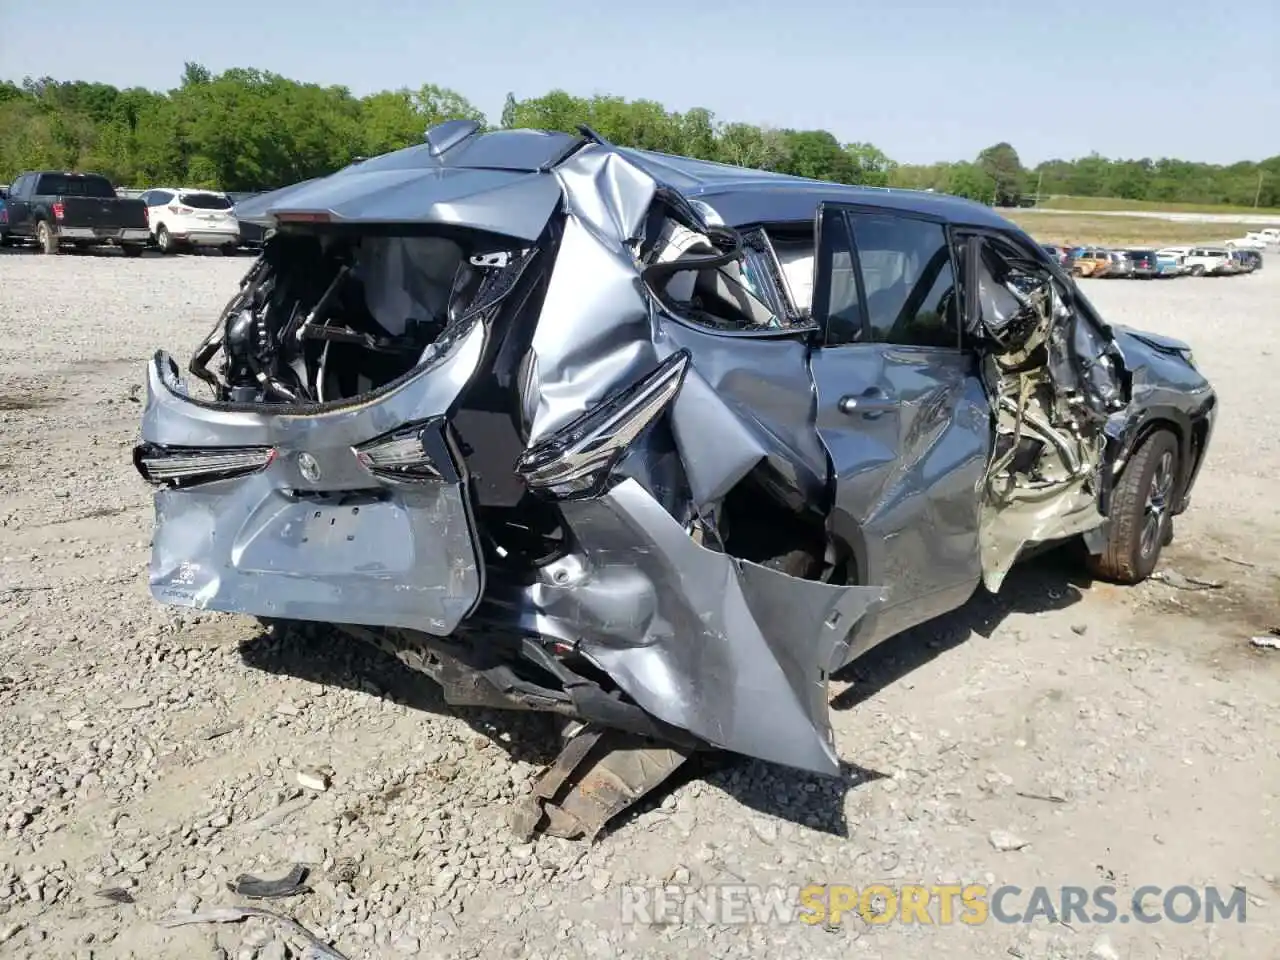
(908, 280)
(836, 294)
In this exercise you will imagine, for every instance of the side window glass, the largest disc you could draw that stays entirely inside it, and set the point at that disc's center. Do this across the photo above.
(842, 301)
(908, 280)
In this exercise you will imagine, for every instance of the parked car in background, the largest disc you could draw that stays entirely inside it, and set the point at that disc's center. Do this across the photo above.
(1143, 264)
(1178, 253)
(182, 217)
(252, 235)
(53, 208)
(1209, 262)
(1171, 262)
(1121, 266)
(1243, 260)
(1090, 262)
(1247, 242)
(1268, 235)
(4, 215)
(1060, 254)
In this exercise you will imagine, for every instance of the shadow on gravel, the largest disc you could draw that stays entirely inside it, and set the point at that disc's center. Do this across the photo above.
(1050, 581)
(10, 403)
(815, 801)
(323, 655)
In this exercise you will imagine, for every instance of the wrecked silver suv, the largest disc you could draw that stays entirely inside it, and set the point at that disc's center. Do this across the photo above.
(651, 443)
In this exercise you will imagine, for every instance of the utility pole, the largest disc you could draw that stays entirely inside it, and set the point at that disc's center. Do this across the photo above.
(1257, 193)
(1040, 181)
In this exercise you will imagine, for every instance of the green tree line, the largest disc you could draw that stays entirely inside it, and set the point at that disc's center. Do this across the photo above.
(248, 129)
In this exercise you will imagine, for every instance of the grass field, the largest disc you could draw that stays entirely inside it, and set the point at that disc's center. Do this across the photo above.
(1155, 206)
(1081, 228)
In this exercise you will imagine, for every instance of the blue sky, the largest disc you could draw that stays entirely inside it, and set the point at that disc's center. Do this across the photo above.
(922, 80)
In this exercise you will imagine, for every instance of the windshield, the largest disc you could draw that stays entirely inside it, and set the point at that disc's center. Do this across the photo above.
(64, 185)
(205, 201)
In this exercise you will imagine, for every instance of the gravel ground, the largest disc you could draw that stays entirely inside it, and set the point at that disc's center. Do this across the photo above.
(1060, 734)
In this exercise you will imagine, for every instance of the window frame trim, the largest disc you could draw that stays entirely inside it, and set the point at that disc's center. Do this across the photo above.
(845, 211)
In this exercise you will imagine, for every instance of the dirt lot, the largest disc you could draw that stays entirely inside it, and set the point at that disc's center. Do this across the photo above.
(1122, 737)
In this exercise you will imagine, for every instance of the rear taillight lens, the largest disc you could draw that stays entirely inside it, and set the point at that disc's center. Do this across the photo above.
(181, 211)
(4, 215)
(187, 466)
(575, 462)
(418, 453)
(57, 211)
(146, 214)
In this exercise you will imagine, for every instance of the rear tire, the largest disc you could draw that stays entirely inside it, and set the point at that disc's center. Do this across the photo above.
(164, 241)
(46, 239)
(1141, 512)
(131, 249)
(1197, 271)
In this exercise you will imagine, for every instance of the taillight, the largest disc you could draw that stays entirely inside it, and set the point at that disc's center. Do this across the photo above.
(576, 461)
(418, 453)
(181, 211)
(187, 466)
(146, 214)
(57, 211)
(4, 215)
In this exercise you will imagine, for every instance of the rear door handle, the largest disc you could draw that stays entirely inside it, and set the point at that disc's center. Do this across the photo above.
(871, 403)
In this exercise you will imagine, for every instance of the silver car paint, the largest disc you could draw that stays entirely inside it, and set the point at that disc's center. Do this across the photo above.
(253, 545)
(736, 653)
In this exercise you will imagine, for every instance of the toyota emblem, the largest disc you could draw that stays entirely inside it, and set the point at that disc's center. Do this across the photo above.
(308, 467)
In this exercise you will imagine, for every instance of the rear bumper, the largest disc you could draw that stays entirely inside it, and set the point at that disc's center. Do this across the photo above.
(313, 534)
(105, 234)
(207, 238)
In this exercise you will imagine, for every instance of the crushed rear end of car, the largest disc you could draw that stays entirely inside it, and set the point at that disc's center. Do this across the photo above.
(447, 417)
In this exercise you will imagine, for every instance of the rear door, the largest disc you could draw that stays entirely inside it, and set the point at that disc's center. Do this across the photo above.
(900, 410)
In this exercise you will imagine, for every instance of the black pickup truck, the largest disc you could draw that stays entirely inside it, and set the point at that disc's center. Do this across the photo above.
(53, 208)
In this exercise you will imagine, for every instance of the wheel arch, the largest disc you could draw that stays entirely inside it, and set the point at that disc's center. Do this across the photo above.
(1184, 430)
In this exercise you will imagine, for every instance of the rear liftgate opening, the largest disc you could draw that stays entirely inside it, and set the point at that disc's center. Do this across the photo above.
(329, 317)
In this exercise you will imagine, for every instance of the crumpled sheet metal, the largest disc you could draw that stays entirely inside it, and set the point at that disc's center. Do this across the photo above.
(599, 331)
(607, 191)
(594, 333)
(736, 653)
(1071, 509)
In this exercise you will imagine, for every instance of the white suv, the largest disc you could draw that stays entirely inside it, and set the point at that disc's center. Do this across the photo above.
(192, 218)
(1209, 262)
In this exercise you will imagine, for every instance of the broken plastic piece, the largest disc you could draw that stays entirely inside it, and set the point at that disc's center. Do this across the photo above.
(115, 894)
(599, 773)
(291, 884)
